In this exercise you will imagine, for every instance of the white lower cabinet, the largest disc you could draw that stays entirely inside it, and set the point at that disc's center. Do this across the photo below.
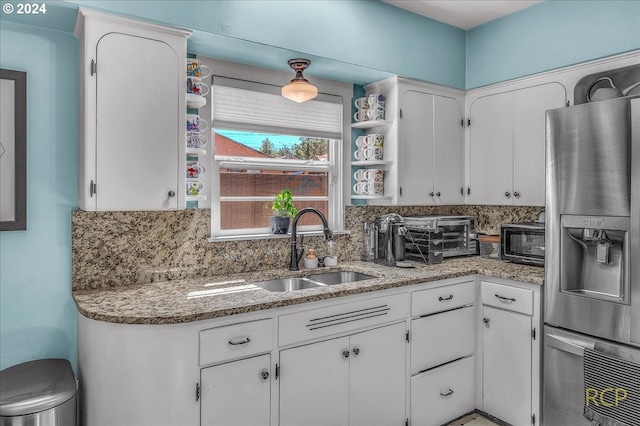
(353, 380)
(442, 394)
(511, 353)
(237, 393)
(506, 370)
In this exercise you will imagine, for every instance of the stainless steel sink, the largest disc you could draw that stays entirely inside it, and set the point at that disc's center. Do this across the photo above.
(313, 281)
(288, 284)
(339, 277)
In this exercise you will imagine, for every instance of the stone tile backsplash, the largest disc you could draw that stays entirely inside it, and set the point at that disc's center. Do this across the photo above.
(112, 249)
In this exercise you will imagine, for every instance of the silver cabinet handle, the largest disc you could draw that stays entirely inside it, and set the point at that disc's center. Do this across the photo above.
(431, 194)
(516, 194)
(505, 299)
(239, 342)
(448, 393)
(438, 194)
(507, 194)
(485, 320)
(264, 374)
(171, 194)
(442, 299)
(356, 351)
(345, 354)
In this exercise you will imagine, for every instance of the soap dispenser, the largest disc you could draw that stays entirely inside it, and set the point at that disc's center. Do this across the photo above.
(311, 261)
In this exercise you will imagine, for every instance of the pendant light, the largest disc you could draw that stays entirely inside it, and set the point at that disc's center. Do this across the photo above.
(299, 90)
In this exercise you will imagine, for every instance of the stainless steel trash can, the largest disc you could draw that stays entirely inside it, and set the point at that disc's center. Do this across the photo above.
(42, 392)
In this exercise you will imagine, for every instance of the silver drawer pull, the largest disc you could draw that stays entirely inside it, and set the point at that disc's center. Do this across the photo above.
(442, 299)
(239, 342)
(505, 299)
(448, 393)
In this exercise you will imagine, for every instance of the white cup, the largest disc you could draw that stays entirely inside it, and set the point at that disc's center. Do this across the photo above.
(361, 115)
(194, 188)
(196, 69)
(360, 175)
(375, 175)
(361, 154)
(361, 188)
(375, 113)
(376, 188)
(374, 139)
(361, 103)
(376, 99)
(361, 142)
(195, 123)
(196, 86)
(196, 140)
(194, 170)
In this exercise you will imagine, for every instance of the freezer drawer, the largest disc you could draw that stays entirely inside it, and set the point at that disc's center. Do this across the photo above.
(565, 396)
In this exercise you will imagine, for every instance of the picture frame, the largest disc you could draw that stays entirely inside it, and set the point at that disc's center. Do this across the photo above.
(13, 150)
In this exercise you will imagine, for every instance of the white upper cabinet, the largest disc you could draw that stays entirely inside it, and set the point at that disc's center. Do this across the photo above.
(507, 145)
(423, 141)
(132, 114)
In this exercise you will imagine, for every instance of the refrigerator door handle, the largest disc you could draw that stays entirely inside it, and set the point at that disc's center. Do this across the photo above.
(573, 346)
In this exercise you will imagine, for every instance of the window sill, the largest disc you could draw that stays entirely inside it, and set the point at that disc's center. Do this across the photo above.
(217, 238)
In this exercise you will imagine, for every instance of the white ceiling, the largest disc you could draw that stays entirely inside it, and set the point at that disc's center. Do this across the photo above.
(463, 13)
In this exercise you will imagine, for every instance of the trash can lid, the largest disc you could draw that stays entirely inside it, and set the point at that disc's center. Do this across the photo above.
(35, 386)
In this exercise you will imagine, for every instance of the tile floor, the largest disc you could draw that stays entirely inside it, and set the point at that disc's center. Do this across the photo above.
(473, 420)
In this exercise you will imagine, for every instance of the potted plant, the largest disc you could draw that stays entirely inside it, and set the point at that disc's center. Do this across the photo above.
(283, 210)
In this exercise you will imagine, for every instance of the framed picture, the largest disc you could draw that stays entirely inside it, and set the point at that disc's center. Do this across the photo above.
(13, 150)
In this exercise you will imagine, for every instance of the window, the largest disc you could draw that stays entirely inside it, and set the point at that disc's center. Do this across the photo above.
(264, 143)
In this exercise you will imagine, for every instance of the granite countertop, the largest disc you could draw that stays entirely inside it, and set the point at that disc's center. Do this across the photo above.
(179, 301)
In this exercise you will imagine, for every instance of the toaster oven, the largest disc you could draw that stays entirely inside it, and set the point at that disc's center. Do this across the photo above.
(432, 238)
(523, 242)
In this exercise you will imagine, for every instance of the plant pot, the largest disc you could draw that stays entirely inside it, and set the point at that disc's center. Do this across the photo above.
(280, 225)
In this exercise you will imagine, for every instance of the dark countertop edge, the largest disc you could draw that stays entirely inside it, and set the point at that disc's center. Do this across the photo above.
(297, 300)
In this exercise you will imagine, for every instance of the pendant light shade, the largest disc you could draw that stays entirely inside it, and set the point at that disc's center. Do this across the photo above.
(299, 90)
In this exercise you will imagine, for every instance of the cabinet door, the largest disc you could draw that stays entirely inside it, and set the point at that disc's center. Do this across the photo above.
(237, 393)
(448, 152)
(377, 387)
(530, 105)
(506, 368)
(314, 384)
(491, 149)
(416, 158)
(137, 124)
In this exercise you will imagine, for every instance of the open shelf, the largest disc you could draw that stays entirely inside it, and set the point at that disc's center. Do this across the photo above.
(371, 197)
(371, 163)
(371, 124)
(196, 151)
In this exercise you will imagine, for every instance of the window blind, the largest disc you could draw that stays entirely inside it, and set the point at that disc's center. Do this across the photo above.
(240, 105)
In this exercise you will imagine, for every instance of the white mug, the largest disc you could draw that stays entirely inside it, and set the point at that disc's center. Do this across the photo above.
(361, 103)
(366, 154)
(196, 69)
(362, 154)
(361, 175)
(195, 123)
(374, 139)
(194, 188)
(361, 142)
(375, 175)
(376, 188)
(375, 99)
(196, 86)
(361, 188)
(194, 170)
(361, 115)
(196, 140)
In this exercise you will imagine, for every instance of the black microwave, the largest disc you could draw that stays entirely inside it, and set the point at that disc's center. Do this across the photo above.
(523, 242)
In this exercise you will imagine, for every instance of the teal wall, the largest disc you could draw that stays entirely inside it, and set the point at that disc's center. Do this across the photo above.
(37, 313)
(550, 35)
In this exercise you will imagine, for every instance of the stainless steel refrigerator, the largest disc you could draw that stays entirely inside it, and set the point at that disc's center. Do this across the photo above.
(591, 359)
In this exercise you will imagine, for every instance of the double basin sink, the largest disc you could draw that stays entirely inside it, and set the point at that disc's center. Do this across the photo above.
(313, 281)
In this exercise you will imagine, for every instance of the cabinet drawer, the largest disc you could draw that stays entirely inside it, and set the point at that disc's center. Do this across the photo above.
(442, 394)
(441, 338)
(506, 297)
(440, 299)
(235, 341)
(331, 320)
